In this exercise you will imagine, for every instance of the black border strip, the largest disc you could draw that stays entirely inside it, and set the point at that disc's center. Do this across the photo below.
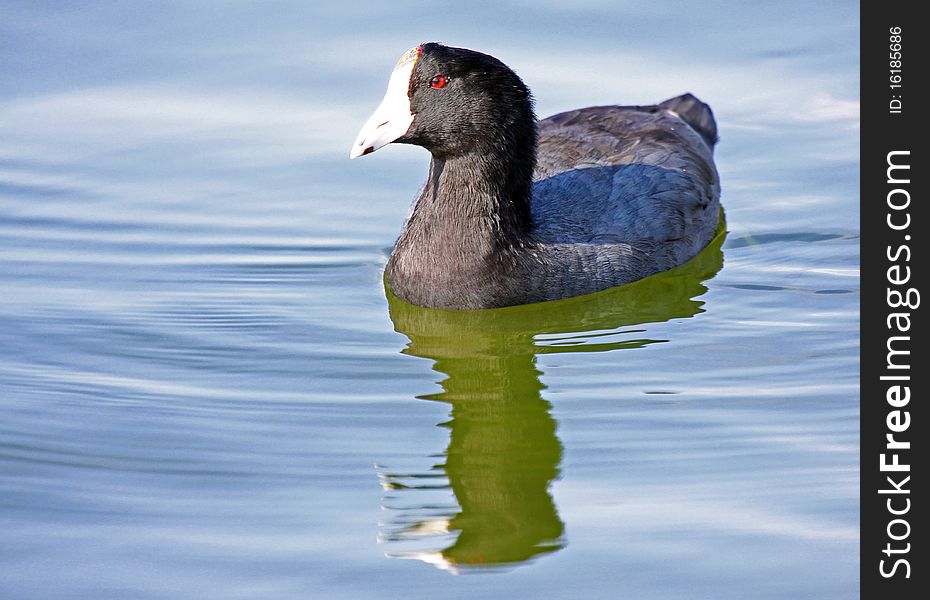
(894, 367)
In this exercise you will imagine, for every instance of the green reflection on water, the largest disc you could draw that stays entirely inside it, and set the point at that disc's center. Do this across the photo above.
(503, 450)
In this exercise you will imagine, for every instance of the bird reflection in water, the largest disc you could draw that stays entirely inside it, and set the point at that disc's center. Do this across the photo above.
(503, 451)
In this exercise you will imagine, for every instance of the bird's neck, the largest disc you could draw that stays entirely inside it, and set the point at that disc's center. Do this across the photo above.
(467, 229)
(474, 204)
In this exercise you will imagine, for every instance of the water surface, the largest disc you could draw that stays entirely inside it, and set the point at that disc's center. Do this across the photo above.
(208, 393)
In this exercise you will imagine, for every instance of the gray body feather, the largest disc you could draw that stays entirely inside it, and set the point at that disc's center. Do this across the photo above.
(619, 193)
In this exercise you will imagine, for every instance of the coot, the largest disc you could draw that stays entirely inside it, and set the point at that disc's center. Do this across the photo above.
(517, 211)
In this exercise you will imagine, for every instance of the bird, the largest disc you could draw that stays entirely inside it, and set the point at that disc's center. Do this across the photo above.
(516, 210)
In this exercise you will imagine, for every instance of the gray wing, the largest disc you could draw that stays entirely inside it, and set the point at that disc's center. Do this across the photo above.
(622, 192)
(623, 174)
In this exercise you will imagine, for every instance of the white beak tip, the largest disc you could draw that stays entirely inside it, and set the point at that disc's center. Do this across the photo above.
(359, 150)
(392, 118)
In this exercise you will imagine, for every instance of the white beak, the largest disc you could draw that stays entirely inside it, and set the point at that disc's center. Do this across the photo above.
(392, 118)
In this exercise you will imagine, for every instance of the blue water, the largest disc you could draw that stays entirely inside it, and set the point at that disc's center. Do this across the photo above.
(206, 393)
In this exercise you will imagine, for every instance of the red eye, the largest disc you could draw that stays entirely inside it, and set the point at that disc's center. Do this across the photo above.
(437, 82)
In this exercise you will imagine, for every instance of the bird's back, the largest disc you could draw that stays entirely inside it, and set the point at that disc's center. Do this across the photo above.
(628, 174)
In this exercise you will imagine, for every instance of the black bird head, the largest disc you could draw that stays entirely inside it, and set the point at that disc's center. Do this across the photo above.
(453, 102)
